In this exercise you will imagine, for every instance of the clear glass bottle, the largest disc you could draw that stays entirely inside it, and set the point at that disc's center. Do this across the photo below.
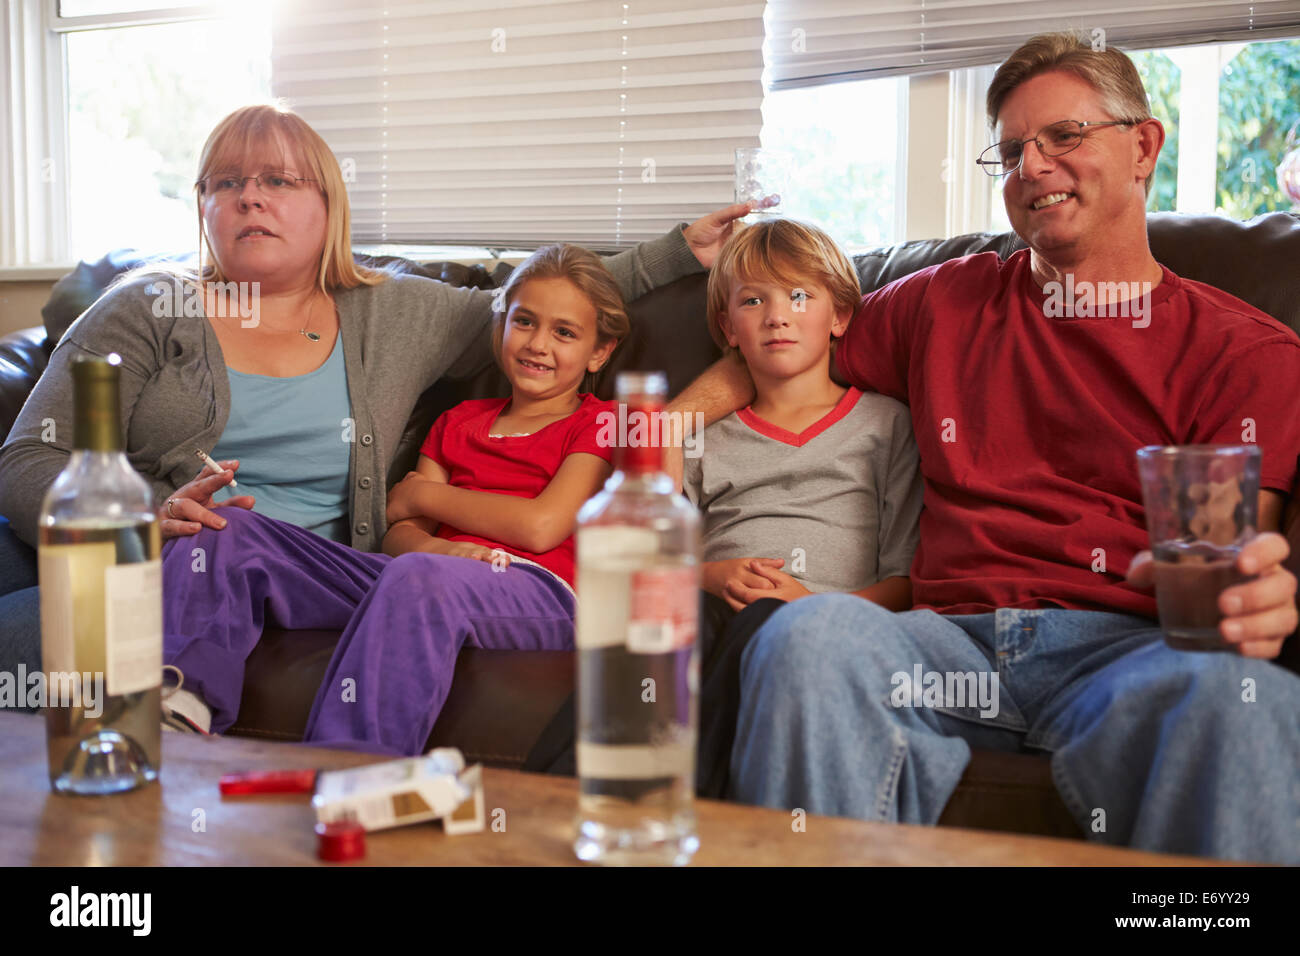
(638, 575)
(101, 603)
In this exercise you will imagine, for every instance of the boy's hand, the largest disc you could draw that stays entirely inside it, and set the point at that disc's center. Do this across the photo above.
(721, 577)
(1259, 614)
(781, 586)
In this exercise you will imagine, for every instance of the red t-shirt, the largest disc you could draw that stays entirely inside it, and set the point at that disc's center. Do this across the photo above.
(1027, 426)
(521, 465)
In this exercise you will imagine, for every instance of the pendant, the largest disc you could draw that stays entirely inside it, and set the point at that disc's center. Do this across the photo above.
(314, 336)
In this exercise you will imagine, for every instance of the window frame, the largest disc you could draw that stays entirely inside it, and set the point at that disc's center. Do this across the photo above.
(176, 13)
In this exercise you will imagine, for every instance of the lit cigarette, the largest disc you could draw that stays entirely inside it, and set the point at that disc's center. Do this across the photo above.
(207, 460)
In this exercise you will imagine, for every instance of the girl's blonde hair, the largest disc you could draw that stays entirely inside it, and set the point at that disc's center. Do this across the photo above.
(253, 130)
(786, 252)
(587, 272)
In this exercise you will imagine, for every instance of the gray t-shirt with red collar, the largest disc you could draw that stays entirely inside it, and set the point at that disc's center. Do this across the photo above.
(839, 502)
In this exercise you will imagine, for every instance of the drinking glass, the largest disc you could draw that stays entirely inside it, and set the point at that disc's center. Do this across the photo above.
(762, 175)
(1201, 503)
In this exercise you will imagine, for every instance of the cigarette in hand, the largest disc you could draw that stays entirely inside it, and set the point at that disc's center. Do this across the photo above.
(207, 460)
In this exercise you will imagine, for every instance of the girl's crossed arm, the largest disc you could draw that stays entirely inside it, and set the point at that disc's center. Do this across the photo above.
(536, 525)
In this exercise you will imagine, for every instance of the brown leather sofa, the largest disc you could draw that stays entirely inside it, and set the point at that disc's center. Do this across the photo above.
(501, 700)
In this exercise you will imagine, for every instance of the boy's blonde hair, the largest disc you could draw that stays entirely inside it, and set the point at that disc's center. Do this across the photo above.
(586, 271)
(786, 252)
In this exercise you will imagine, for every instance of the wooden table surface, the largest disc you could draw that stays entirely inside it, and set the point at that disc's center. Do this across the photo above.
(184, 821)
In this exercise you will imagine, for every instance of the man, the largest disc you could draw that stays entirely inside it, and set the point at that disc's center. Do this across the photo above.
(1027, 417)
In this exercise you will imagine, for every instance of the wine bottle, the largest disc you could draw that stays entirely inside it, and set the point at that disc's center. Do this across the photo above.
(101, 603)
(638, 581)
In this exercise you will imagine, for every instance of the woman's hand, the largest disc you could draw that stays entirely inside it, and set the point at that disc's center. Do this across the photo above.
(706, 235)
(191, 508)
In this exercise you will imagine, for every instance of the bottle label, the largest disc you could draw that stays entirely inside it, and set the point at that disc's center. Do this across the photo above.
(674, 758)
(664, 610)
(133, 626)
(72, 601)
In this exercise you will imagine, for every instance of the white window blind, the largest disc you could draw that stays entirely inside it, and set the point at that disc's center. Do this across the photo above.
(828, 41)
(510, 123)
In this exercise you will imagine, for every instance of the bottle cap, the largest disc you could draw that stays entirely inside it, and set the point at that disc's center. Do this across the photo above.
(643, 427)
(341, 841)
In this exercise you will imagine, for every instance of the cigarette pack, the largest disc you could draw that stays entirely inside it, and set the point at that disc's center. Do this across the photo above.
(409, 790)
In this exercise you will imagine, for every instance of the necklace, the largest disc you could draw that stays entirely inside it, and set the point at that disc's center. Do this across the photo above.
(312, 336)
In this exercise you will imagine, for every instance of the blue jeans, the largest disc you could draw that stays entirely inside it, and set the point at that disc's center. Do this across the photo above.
(20, 604)
(1163, 750)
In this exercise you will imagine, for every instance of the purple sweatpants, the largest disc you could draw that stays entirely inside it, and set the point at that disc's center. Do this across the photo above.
(404, 621)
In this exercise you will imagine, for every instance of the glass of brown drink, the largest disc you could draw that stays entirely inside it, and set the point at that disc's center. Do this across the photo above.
(1201, 504)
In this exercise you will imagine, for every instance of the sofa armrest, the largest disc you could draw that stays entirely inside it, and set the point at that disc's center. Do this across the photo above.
(23, 357)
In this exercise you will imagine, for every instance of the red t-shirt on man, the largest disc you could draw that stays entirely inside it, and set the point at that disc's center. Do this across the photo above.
(1027, 425)
(521, 465)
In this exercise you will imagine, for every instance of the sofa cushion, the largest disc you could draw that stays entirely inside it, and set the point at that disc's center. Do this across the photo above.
(498, 705)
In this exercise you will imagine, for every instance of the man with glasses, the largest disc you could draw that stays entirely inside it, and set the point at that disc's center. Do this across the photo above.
(1027, 427)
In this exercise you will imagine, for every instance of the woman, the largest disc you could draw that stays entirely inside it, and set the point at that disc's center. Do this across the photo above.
(303, 366)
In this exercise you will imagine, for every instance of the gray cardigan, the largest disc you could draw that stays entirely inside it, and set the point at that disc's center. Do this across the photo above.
(399, 337)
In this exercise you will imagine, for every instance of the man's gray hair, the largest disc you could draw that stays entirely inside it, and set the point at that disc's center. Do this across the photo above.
(1108, 71)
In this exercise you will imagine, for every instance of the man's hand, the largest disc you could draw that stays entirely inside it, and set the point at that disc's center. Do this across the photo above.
(1259, 615)
(706, 235)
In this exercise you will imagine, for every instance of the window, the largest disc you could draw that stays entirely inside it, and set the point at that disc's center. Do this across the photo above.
(1232, 115)
(107, 103)
(104, 105)
(844, 141)
(141, 102)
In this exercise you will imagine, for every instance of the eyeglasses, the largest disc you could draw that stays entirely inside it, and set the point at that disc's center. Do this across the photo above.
(227, 186)
(1055, 139)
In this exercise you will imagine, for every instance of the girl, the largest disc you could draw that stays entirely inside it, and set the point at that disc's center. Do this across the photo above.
(480, 546)
(482, 531)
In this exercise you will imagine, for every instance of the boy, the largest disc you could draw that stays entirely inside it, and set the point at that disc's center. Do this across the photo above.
(815, 487)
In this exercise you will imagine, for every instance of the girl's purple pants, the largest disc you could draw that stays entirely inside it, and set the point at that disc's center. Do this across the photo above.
(404, 621)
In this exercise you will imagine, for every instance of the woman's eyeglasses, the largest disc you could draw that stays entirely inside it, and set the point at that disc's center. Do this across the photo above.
(228, 185)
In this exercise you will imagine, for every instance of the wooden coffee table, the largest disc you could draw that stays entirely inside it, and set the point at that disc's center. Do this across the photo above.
(185, 821)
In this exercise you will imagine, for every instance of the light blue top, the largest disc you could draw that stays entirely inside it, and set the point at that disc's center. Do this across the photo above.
(292, 438)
